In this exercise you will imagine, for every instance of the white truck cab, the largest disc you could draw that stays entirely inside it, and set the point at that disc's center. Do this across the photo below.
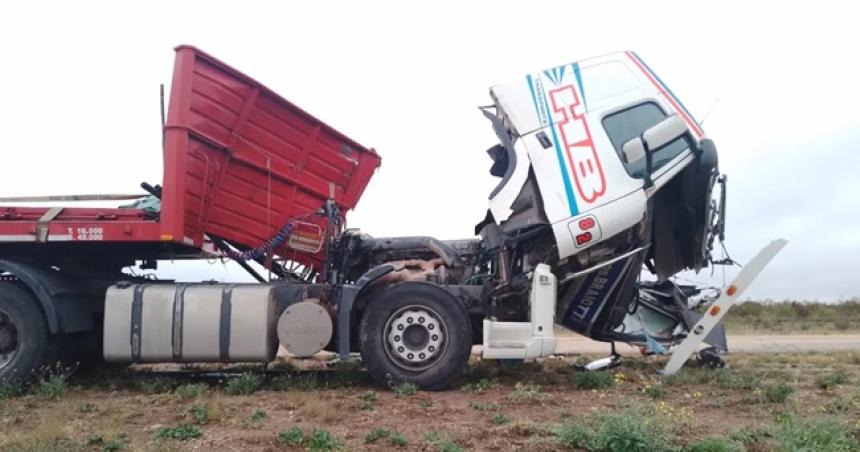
(569, 125)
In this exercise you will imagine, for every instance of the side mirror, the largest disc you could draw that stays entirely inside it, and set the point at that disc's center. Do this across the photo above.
(633, 150)
(664, 132)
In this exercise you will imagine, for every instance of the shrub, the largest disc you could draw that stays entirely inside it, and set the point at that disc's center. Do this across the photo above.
(831, 380)
(192, 391)
(525, 392)
(9, 389)
(258, 416)
(200, 414)
(377, 434)
(573, 436)
(654, 391)
(404, 390)
(295, 382)
(182, 433)
(627, 432)
(716, 445)
(398, 439)
(777, 393)
(322, 440)
(52, 383)
(245, 384)
(500, 419)
(294, 436)
(823, 436)
(593, 380)
(480, 386)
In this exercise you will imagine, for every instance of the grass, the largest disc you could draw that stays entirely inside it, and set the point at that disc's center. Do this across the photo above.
(398, 439)
(301, 381)
(245, 384)
(627, 431)
(481, 406)
(322, 440)
(192, 390)
(11, 389)
(182, 433)
(258, 416)
(404, 390)
(500, 419)
(794, 316)
(199, 413)
(831, 380)
(777, 393)
(727, 379)
(294, 436)
(525, 392)
(441, 441)
(484, 384)
(377, 434)
(716, 444)
(117, 443)
(654, 391)
(53, 381)
(822, 436)
(593, 380)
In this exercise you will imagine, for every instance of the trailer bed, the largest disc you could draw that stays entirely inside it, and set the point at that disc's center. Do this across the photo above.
(239, 162)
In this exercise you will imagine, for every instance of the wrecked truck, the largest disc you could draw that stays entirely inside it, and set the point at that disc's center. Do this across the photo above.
(604, 176)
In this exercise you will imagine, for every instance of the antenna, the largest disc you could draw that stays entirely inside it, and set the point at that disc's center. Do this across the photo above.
(708, 113)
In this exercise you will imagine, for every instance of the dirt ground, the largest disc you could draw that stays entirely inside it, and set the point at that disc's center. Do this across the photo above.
(495, 407)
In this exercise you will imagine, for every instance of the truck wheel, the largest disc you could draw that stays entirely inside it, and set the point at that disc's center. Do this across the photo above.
(25, 343)
(417, 333)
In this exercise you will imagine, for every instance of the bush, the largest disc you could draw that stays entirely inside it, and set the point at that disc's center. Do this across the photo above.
(294, 436)
(52, 383)
(398, 440)
(200, 414)
(615, 432)
(500, 419)
(377, 434)
(404, 390)
(716, 445)
(245, 384)
(480, 386)
(593, 380)
(322, 440)
(182, 433)
(831, 380)
(258, 416)
(777, 393)
(820, 436)
(192, 391)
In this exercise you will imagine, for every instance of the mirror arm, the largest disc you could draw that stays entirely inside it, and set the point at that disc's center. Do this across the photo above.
(648, 164)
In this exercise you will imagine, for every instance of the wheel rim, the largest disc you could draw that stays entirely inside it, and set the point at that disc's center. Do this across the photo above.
(415, 337)
(8, 339)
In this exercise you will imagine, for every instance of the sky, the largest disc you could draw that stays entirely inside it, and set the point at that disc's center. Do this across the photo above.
(79, 110)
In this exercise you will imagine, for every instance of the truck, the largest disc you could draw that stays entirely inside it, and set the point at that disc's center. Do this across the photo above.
(604, 178)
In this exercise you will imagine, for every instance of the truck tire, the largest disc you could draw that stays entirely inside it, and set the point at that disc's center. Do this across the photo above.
(25, 342)
(418, 333)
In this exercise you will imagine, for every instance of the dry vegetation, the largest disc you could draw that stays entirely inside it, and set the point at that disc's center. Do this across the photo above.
(794, 317)
(761, 402)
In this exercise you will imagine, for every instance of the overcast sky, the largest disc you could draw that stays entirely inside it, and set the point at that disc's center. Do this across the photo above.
(79, 111)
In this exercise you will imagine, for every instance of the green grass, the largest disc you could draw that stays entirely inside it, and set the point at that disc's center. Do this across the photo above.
(245, 384)
(398, 439)
(404, 390)
(831, 380)
(777, 393)
(300, 381)
(820, 436)
(199, 413)
(9, 390)
(192, 390)
(500, 419)
(258, 416)
(525, 392)
(716, 445)
(182, 433)
(727, 379)
(654, 391)
(480, 386)
(322, 440)
(118, 442)
(627, 431)
(592, 380)
(53, 382)
(294, 436)
(794, 316)
(441, 442)
(377, 434)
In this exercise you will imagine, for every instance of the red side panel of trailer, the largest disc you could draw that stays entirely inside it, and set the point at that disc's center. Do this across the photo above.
(240, 160)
